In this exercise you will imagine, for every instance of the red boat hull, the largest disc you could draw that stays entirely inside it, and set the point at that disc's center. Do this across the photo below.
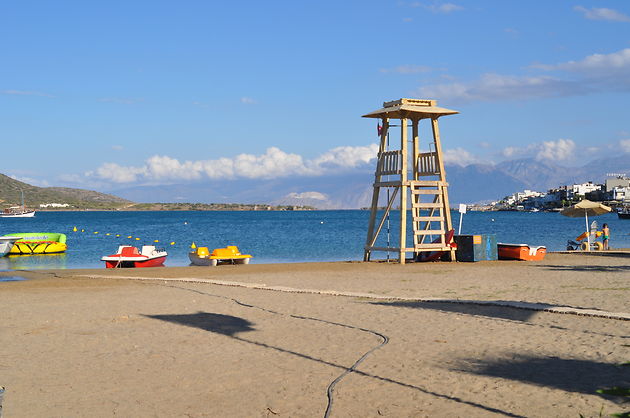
(153, 262)
(520, 252)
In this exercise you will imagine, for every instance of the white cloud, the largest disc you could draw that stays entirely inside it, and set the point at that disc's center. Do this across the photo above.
(559, 150)
(459, 156)
(594, 73)
(307, 195)
(495, 87)
(117, 147)
(26, 93)
(625, 145)
(273, 163)
(117, 173)
(436, 7)
(346, 157)
(595, 64)
(602, 14)
(445, 8)
(247, 100)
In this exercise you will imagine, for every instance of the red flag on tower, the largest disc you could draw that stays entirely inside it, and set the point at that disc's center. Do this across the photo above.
(379, 129)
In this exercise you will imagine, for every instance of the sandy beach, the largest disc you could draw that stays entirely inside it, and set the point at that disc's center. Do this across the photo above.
(302, 340)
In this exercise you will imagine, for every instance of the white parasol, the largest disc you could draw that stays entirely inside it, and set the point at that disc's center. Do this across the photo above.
(585, 208)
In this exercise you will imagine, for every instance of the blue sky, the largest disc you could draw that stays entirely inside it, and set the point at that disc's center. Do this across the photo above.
(110, 94)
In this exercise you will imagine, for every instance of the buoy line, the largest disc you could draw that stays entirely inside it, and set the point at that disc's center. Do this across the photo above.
(531, 306)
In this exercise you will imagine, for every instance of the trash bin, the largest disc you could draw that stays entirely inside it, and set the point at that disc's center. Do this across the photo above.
(476, 247)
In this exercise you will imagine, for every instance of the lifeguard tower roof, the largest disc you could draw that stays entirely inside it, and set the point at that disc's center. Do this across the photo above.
(405, 108)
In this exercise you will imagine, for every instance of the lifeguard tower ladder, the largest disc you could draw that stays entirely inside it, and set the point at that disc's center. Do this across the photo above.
(426, 184)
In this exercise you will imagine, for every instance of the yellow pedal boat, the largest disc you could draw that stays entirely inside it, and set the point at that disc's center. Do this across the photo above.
(228, 255)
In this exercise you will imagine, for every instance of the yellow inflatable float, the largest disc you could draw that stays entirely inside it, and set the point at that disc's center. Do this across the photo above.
(38, 243)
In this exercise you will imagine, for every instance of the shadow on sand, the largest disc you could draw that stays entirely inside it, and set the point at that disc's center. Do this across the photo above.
(571, 375)
(590, 269)
(218, 323)
(502, 312)
(230, 325)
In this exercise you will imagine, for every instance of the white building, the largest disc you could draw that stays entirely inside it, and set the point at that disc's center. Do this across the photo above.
(621, 193)
(54, 205)
(584, 188)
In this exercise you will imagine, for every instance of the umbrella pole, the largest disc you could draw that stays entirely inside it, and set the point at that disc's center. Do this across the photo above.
(588, 231)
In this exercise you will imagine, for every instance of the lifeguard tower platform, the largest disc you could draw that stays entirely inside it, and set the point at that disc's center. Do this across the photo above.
(417, 178)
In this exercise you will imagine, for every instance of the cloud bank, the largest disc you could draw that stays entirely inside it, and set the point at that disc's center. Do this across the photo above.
(274, 163)
(593, 74)
(559, 150)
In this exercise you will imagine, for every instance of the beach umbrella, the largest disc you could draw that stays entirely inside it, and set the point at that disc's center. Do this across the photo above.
(585, 208)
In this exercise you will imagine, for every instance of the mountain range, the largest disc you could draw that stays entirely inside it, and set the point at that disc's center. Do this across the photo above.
(11, 194)
(470, 184)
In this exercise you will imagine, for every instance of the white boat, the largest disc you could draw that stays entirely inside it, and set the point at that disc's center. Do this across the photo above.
(17, 211)
(128, 256)
(6, 243)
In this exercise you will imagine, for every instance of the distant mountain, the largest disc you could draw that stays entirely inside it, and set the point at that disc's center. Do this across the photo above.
(10, 194)
(542, 176)
(480, 182)
(470, 184)
(473, 183)
(539, 175)
(324, 192)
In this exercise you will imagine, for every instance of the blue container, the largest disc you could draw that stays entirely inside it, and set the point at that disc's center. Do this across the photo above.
(476, 247)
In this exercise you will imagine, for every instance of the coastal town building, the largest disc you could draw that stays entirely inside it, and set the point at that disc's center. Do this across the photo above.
(584, 188)
(54, 205)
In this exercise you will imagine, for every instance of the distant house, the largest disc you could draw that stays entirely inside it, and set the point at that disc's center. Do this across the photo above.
(620, 193)
(54, 205)
(584, 188)
(618, 181)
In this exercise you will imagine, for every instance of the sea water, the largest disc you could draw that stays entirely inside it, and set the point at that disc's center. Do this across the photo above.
(271, 236)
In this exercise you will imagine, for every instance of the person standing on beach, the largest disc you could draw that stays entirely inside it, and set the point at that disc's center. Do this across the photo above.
(605, 235)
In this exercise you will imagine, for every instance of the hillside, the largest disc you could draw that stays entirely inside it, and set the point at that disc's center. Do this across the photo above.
(34, 196)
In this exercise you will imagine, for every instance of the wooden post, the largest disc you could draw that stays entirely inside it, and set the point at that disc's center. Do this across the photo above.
(446, 204)
(415, 198)
(403, 189)
(375, 193)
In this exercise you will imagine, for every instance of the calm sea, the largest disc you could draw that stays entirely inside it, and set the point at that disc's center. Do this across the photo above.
(271, 237)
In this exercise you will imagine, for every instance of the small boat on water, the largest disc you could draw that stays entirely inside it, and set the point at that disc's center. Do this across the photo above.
(129, 257)
(522, 252)
(38, 243)
(17, 211)
(228, 255)
(6, 243)
(624, 212)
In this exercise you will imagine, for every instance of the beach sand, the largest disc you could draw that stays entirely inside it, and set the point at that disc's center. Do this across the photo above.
(269, 340)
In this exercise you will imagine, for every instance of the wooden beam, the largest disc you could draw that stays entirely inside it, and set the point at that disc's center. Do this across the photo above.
(403, 189)
(375, 191)
(438, 149)
(380, 225)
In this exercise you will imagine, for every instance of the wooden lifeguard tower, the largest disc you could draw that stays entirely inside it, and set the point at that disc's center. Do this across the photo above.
(424, 180)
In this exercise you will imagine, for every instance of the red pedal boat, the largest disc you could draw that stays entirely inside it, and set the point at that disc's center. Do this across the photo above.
(521, 252)
(128, 256)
